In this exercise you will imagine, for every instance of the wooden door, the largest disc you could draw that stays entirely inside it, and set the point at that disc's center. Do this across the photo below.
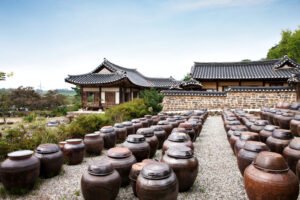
(110, 98)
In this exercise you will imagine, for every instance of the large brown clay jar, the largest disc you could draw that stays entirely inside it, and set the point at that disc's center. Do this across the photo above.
(138, 146)
(155, 119)
(269, 178)
(197, 125)
(100, 181)
(51, 159)
(144, 122)
(157, 181)
(74, 151)
(270, 115)
(291, 153)
(233, 138)
(267, 132)
(294, 123)
(167, 126)
(150, 120)
(284, 120)
(121, 159)
(245, 136)
(173, 122)
(276, 117)
(108, 134)
(137, 124)
(152, 140)
(184, 165)
(160, 133)
(248, 153)
(177, 139)
(93, 143)
(190, 130)
(279, 139)
(179, 119)
(258, 125)
(19, 171)
(129, 127)
(121, 132)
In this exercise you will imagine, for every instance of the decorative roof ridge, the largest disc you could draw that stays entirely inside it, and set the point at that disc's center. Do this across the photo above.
(192, 93)
(259, 88)
(196, 64)
(284, 60)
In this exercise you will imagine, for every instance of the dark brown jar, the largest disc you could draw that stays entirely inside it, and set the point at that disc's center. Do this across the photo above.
(93, 143)
(190, 130)
(249, 122)
(258, 125)
(279, 139)
(180, 130)
(144, 122)
(121, 159)
(155, 120)
(267, 132)
(291, 153)
(295, 106)
(173, 122)
(74, 151)
(248, 153)
(157, 181)
(137, 124)
(232, 123)
(284, 120)
(161, 116)
(152, 140)
(150, 120)
(100, 181)
(51, 159)
(160, 133)
(269, 177)
(167, 126)
(129, 127)
(270, 115)
(197, 125)
(276, 117)
(19, 171)
(294, 123)
(233, 138)
(184, 165)
(245, 136)
(177, 139)
(108, 134)
(138, 146)
(263, 114)
(179, 119)
(121, 132)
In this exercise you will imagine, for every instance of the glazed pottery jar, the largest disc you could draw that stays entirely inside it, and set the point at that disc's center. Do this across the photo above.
(138, 146)
(121, 159)
(184, 165)
(245, 136)
(177, 139)
(197, 125)
(269, 177)
(232, 123)
(121, 132)
(100, 181)
(291, 153)
(279, 139)
(294, 123)
(258, 125)
(263, 114)
(151, 139)
(270, 115)
(179, 119)
(167, 126)
(150, 120)
(74, 151)
(157, 181)
(276, 117)
(129, 127)
(160, 133)
(284, 120)
(19, 171)
(173, 122)
(137, 124)
(161, 116)
(155, 119)
(248, 153)
(51, 159)
(249, 122)
(295, 106)
(144, 122)
(233, 138)
(190, 130)
(180, 130)
(108, 134)
(266, 132)
(93, 143)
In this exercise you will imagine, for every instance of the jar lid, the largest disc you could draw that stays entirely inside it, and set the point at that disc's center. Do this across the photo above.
(297, 117)
(74, 141)
(273, 111)
(288, 114)
(261, 122)
(147, 132)
(156, 171)
(148, 116)
(237, 133)
(256, 146)
(180, 151)
(270, 128)
(143, 119)
(231, 119)
(249, 136)
(234, 122)
(107, 129)
(186, 125)
(282, 134)
(295, 143)
(47, 148)
(135, 121)
(178, 137)
(174, 130)
(20, 154)
(270, 162)
(119, 125)
(171, 119)
(100, 168)
(92, 135)
(239, 128)
(119, 152)
(178, 117)
(135, 138)
(199, 112)
(157, 128)
(163, 122)
(127, 123)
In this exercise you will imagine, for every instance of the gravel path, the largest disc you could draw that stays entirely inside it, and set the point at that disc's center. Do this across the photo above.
(218, 176)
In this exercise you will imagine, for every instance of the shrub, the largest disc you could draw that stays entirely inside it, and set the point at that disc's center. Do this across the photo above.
(152, 99)
(30, 117)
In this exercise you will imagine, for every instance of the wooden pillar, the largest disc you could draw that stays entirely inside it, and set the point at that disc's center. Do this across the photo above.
(82, 97)
(100, 100)
(217, 86)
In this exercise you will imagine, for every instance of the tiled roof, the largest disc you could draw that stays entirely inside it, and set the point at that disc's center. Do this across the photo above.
(266, 69)
(191, 93)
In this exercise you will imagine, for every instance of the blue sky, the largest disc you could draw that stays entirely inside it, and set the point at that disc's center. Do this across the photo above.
(42, 41)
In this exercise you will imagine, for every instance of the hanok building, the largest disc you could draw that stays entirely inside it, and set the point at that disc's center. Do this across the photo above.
(218, 76)
(110, 84)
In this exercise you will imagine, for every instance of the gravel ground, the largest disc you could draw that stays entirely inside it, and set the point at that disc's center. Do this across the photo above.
(218, 176)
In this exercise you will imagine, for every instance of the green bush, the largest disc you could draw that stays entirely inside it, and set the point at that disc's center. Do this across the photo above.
(30, 117)
(153, 100)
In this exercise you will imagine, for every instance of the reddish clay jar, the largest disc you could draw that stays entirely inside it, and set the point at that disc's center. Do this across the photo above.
(150, 138)
(160, 133)
(109, 136)
(279, 139)
(267, 132)
(232, 123)
(233, 138)
(19, 171)
(197, 125)
(248, 153)
(284, 120)
(155, 119)
(291, 153)
(173, 122)
(258, 125)
(245, 136)
(177, 139)
(121, 159)
(138, 146)
(270, 115)
(167, 126)
(74, 151)
(179, 119)
(121, 132)
(144, 122)
(100, 181)
(190, 130)
(276, 117)
(294, 123)
(150, 120)
(129, 127)
(137, 124)
(269, 177)
(93, 143)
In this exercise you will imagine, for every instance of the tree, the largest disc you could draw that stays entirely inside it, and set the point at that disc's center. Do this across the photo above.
(25, 97)
(152, 99)
(288, 45)
(187, 77)
(2, 76)
(52, 99)
(5, 104)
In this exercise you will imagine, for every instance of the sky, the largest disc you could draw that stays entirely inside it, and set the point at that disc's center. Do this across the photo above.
(42, 42)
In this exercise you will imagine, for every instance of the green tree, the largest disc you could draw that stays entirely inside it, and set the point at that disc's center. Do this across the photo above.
(187, 77)
(288, 45)
(5, 104)
(152, 99)
(2, 76)
(25, 97)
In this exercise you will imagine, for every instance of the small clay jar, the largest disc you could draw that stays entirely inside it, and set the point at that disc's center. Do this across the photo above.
(167, 126)
(197, 125)
(100, 181)
(138, 146)
(155, 119)
(177, 139)
(245, 136)
(232, 123)
(161, 116)
(249, 122)
(239, 128)
(276, 117)
(173, 122)
(248, 153)
(180, 130)
(121, 159)
(233, 138)
(149, 118)
(179, 119)
(184, 165)
(160, 133)
(291, 153)
(51, 159)
(294, 123)
(144, 122)
(270, 115)
(121, 132)
(129, 127)
(109, 136)
(258, 125)
(19, 171)
(267, 132)
(93, 143)
(137, 124)
(151, 139)
(74, 151)
(263, 114)
(157, 181)
(269, 177)
(190, 130)
(279, 139)
(284, 120)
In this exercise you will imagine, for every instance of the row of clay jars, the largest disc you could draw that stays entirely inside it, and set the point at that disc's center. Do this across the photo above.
(151, 139)
(279, 139)
(197, 125)
(245, 136)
